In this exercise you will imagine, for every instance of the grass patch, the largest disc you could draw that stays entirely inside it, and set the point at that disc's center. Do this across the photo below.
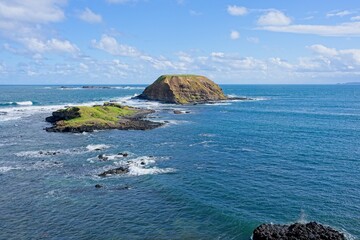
(98, 115)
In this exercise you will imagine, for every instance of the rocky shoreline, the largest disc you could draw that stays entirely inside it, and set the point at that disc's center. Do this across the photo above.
(108, 116)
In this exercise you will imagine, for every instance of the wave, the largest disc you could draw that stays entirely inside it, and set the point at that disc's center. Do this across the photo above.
(96, 147)
(99, 87)
(39, 165)
(6, 169)
(251, 98)
(144, 165)
(24, 103)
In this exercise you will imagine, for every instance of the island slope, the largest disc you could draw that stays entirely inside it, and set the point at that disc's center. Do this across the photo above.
(183, 89)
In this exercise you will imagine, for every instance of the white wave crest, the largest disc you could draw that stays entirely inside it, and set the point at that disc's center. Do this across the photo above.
(6, 169)
(25, 103)
(96, 147)
(144, 166)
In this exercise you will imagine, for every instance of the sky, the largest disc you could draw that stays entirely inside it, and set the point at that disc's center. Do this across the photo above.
(135, 41)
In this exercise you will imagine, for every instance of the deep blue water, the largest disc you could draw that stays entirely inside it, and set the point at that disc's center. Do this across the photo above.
(216, 173)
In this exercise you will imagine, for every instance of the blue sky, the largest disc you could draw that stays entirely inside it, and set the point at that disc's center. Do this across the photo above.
(135, 41)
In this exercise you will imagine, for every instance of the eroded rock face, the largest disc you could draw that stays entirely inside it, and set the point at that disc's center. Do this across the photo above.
(296, 231)
(64, 114)
(183, 89)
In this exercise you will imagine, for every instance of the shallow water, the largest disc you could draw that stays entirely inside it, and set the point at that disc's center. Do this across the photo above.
(216, 173)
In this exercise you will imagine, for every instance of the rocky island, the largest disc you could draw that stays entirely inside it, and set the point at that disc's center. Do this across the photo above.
(184, 89)
(100, 117)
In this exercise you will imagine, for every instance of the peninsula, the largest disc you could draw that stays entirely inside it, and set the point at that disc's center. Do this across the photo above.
(100, 117)
(184, 89)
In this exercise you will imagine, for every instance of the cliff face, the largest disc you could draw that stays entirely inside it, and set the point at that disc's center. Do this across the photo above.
(183, 89)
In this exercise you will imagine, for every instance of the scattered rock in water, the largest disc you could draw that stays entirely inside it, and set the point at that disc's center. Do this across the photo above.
(180, 112)
(115, 171)
(3, 113)
(98, 186)
(49, 153)
(103, 157)
(177, 112)
(296, 231)
(123, 154)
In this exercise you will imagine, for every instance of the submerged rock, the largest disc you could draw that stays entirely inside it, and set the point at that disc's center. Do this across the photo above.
(183, 89)
(296, 231)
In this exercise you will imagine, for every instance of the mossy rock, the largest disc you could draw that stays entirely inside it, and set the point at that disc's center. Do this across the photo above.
(183, 89)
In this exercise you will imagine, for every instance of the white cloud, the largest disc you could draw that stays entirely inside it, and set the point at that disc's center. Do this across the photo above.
(237, 10)
(322, 50)
(53, 45)
(217, 54)
(348, 56)
(185, 57)
(89, 16)
(111, 45)
(234, 35)
(274, 18)
(355, 18)
(40, 11)
(280, 63)
(344, 29)
(338, 13)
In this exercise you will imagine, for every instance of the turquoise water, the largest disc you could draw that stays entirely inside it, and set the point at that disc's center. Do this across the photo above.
(292, 154)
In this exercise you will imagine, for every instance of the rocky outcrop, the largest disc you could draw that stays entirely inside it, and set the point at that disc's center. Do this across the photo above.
(100, 117)
(183, 89)
(115, 171)
(64, 114)
(296, 231)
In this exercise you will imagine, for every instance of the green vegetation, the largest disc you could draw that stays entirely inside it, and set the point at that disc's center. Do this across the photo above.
(107, 115)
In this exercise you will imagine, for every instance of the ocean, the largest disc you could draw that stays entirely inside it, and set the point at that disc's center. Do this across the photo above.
(291, 154)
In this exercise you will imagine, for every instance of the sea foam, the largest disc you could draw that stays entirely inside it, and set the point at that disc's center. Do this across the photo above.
(96, 147)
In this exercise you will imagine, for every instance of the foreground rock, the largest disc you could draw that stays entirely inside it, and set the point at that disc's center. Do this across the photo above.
(183, 89)
(115, 171)
(296, 231)
(108, 116)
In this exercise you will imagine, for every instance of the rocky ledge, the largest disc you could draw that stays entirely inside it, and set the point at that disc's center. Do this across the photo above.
(100, 117)
(296, 231)
(184, 89)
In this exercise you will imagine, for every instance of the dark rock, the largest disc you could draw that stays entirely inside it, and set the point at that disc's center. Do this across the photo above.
(103, 157)
(64, 114)
(98, 186)
(123, 154)
(3, 113)
(119, 170)
(177, 112)
(296, 231)
(239, 98)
